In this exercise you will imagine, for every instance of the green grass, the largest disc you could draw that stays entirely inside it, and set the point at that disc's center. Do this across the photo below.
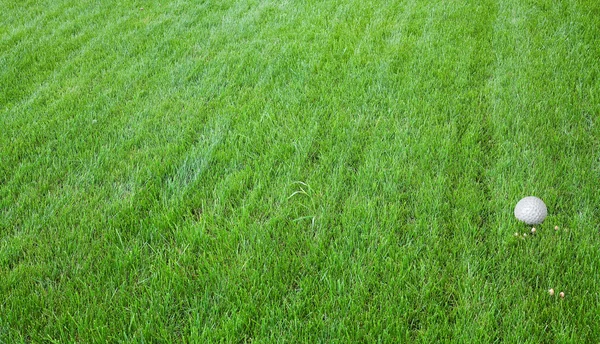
(298, 171)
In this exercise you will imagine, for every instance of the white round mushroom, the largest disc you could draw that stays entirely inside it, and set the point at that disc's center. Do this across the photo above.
(531, 210)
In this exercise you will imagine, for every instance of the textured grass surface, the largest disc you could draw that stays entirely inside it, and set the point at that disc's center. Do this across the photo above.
(298, 171)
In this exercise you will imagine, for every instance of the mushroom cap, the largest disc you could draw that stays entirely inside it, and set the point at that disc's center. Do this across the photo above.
(531, 210)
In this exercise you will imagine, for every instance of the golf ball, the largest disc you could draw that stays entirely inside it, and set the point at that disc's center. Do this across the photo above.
(531, 210)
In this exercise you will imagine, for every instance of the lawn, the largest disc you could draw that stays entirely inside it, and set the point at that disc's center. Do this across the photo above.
(329, 171)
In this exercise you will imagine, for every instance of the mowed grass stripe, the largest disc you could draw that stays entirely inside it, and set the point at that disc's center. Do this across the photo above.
(545, 143)
(92, 79)
(322, 240)
(76, 252)
(334, 241)
(35, 111)
(108, 55)
(117, 264)
(31, 57)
